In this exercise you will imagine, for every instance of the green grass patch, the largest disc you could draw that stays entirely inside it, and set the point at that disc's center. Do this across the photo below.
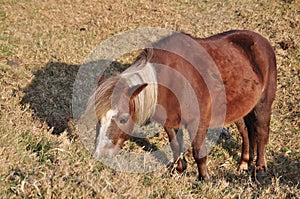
(39, 146)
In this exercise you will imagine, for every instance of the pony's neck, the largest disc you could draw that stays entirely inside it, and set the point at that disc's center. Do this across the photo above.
(146, 100)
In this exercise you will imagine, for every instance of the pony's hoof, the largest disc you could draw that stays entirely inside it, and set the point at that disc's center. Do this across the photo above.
(260, 173)
(243, 166)
(204, 178)
(181, 165)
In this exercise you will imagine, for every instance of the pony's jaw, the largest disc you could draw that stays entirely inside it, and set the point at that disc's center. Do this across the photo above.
(104, 145)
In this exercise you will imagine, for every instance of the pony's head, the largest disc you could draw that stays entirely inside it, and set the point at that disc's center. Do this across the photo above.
(121, 101)
(115, 111)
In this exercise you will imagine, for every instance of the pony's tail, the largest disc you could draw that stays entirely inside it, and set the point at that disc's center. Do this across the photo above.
(259, 51)
(265, 60)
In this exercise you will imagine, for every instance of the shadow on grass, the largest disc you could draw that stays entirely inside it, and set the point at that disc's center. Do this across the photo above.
(50, 94)
(155, 151)
(144, 142)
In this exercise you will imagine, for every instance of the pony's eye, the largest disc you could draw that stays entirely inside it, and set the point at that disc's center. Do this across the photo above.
(124, 118)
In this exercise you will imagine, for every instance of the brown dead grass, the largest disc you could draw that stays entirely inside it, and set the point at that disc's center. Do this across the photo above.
(42, 45)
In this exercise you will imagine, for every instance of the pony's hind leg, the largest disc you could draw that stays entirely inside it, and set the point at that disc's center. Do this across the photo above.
(247, 131)
(177, 146)
(258, 123)
(250, 120)
(262, 113)
(245, 156)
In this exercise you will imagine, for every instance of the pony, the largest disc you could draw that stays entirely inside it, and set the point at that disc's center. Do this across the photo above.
(184, 82)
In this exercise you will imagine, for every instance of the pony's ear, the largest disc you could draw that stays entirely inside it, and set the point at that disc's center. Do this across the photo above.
(135, 90)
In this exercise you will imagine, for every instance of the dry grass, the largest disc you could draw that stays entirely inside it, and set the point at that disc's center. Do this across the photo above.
(42, 45)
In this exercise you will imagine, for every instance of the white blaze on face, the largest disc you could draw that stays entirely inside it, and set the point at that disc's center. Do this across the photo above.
(102, 140)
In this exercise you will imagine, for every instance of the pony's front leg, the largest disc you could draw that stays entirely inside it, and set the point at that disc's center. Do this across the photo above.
(200, 153)
(177, 146)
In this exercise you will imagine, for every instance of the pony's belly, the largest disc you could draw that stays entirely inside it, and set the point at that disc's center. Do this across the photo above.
(242, 101)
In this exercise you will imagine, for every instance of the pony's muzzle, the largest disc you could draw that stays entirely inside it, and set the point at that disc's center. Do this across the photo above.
(108, 152)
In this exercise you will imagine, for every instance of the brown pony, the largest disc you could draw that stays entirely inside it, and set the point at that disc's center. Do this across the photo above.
(190, 83)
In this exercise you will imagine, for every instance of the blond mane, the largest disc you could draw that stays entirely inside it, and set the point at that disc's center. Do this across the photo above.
(100, 101)
(139, 73)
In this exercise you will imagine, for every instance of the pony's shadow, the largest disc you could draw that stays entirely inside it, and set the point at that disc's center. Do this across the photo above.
(159, 155)
(50, 92)
(144, 142)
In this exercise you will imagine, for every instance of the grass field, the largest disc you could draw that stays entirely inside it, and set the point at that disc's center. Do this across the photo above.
(43, 44)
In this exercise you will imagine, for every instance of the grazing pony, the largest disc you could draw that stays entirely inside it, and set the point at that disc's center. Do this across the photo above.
(192, 83)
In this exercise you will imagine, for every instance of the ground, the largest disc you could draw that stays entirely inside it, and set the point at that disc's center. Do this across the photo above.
(43, 44)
